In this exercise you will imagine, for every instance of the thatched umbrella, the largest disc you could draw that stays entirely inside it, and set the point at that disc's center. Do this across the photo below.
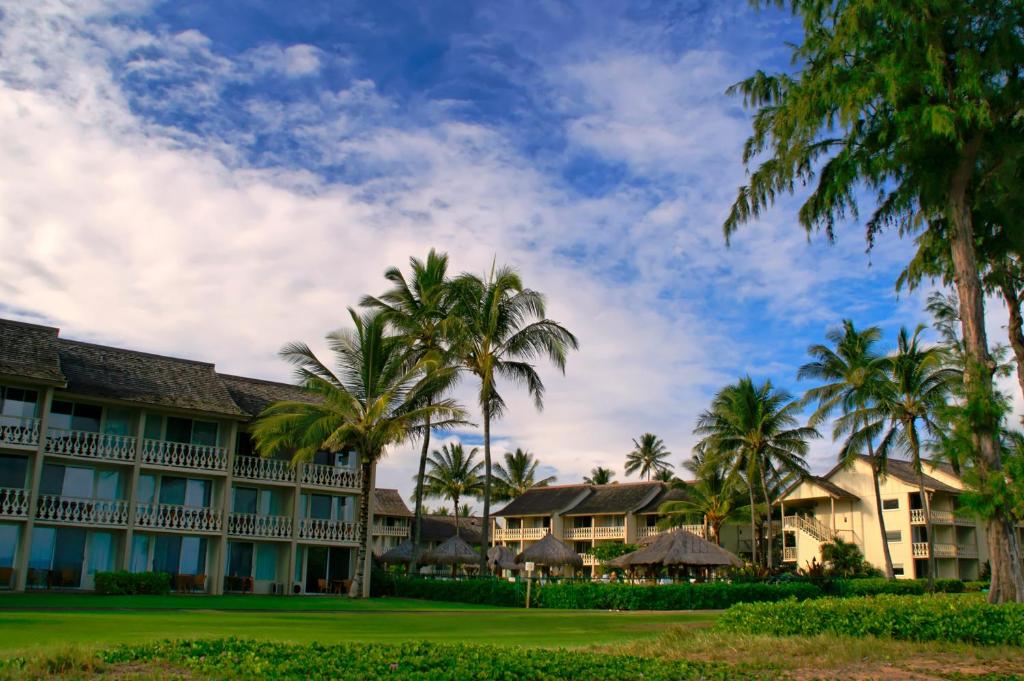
(679, 548)
(399, 554)
(550, 552)
(454, 551)
(502, 557)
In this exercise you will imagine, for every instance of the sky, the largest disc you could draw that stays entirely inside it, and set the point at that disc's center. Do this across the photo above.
(212, 180)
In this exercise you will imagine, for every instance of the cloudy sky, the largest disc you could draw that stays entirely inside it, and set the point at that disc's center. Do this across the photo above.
(213, 179)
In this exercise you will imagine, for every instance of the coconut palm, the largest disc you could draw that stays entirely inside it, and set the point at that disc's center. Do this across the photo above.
(499, 327)
(453, 474)
(754, 427)
(374, 398)
(518, 474)
(417, 310)
(599, 476)
(715, 496)
(648, 456)
(850, 373)
(665, 475)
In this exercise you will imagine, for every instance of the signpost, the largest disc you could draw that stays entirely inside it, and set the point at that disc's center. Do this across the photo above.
(529, 581)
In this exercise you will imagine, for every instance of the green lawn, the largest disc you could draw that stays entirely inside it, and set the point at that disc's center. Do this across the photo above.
(46, 622)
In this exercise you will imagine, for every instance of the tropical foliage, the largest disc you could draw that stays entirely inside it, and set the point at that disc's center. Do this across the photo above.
(715, 497)
(649, 457)
(599, 476)
(517, 474)
(453, 474)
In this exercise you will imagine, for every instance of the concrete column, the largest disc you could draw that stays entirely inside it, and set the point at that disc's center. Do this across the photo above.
(221, 550)
(133, 491)
(293, 557)
(25, 541)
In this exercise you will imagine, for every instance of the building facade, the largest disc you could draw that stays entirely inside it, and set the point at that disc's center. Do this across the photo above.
(115, 459)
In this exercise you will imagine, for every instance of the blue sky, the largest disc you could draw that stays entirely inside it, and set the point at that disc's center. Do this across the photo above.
(212, 179)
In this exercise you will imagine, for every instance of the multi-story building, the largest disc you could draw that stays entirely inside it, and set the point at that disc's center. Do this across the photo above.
(118, 459)
(841, 504)
(392, 520)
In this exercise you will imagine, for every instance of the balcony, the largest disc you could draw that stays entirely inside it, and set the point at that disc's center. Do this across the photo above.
(579, 533)
(260, 526)
(13, 502)
(89, 445)
(318, 529)
(184, 455)
(19, 431)
(331, 477)
(82, 511)
(938, 517)
(789, 554)
(176, 517)
(610, 532)
(589, 559)
(966, 551)
(520, 533)
(920, 550)
(391, 530)
(265, 470)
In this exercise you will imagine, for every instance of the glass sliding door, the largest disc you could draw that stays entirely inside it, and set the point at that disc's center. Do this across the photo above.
(68, 554)
(9, 535)
(140, 553)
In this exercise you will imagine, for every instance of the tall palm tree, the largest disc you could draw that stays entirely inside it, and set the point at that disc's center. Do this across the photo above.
(374, 398)
(850, 373)
(500, 327)
(665, 475)
(756, 428)
(715, 496)
(648, 456)
(920, 382)
(453, 474)
(599, 476)
(417, 310)
(518, 474)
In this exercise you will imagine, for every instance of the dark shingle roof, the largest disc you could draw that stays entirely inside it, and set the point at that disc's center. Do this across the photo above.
(133, 376)
(667, 494)
(437, 528)
(389, 502)
(254, 395)
(620, 498)
(543, 500)
(29, 351)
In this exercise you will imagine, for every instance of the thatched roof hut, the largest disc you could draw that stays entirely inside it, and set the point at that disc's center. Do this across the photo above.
(454, 551)
(678, 548)
(503, 558)
(398, 554)
(550, 552)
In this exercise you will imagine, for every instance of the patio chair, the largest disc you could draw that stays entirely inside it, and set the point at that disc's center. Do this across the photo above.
(199, 583)
(6, 576)
(321, 586)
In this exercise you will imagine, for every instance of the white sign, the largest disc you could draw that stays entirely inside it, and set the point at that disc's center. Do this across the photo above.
(529, 566)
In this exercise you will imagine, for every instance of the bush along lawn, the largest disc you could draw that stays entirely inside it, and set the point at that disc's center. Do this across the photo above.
(237, 659)
(967, 618)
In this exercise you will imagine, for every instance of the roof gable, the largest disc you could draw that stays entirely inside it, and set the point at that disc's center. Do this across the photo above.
(620, 498)
(254, 395)
(389, 502)
(30, 351)
(545, 500)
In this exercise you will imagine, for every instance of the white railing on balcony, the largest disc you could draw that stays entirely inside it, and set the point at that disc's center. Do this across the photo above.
(380, 530)
(966, 550)
(19, 431)
(520, 533)
(82, 511)
(964, 519)
(13, 502)
(646, 531)
(917, 516)
(184, 455)
(254, 525)
(320, 475)
(945, 550)
(610, 532)
(91, 445)
(919, 549)
(942, 517)
(695, 529)
(789, 554)
(176, 517)
(579, 533)
(258, 468)
(589, 559)
(318, 529)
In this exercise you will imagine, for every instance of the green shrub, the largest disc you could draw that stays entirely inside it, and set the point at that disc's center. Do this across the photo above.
(412, 661)
(973, 587)
(122, 583)
(875, 586)
(938, 617)
(485, 591)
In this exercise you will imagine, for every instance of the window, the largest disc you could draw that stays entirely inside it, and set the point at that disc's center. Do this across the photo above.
(240, 559)
(897, 570)
(17, 404)
(74, 416)
(893, 536)
(101, 552)
(80, 482)
(185, 491)
(266, 562)
(146, 489)
(140, 553)
(320, 506)
(890, 504)
(118, 422)
(154, 427)
(13, 471)
(179, 430)
(204, 433)
(245, 500)
(8, 544)
(180, 555)
(245, 445)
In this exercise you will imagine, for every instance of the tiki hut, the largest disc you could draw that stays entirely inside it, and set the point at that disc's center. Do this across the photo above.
(550, 552)
(678, 549)
(502, 558)
(454, 551)
(401, 554)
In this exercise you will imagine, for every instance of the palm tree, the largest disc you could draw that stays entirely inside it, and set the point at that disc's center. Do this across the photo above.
(920, 380)
(648, 456)
(851, 375)
(600, 476)
(373, 399)
(418, 310)
(715, 496)
(665, 475)
(517, 475)
(452, 474)
(755, 428)
(500, 327)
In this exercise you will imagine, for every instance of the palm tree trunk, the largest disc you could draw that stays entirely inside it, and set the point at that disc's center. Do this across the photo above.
(365, 490)
(485, 531)
(456, 502)
(1004, 547)
(753, 523)
(768, 524)
(928, 528)
(417, 520)
(887, 554)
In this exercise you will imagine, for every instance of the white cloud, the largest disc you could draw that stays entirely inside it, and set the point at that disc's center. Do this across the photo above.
(293, 61)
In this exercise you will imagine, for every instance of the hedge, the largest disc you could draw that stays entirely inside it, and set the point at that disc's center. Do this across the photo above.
(238, 659)
(123, 582)
(938, 617)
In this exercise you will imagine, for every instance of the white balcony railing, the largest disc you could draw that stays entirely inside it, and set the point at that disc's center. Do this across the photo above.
(258, 468)
(320, 475)
(590, 559)
(13, 502)
(318, 529)
(964, 519)
(380, 530)
(184, 455)
(265, 526)
(693, 529)
(90, 445)
(919, 549)
(647, 531)
(176, 517)
(612, 532)
(917, 516)
(19, 431)
(945, 550)
(967, 550)
(579, 533)
(789, 554)
(520, 533)
(82, 511)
